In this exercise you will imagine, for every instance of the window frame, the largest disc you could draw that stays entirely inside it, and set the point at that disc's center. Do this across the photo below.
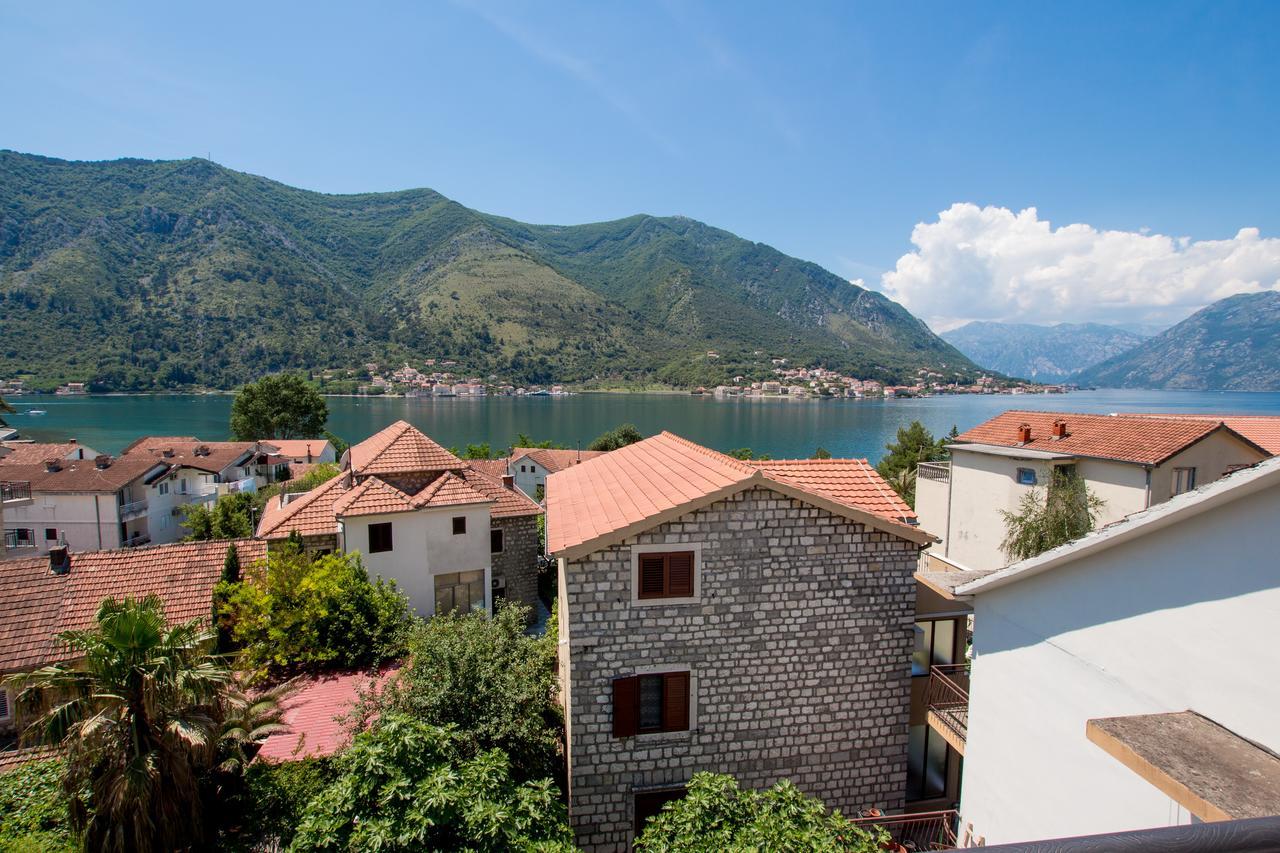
(6, 713)
(665, 795)
(638, 551)
(11, 539)
(455, 525)
(667, 728)
(390, 539)
(54, 537)
(957, 650)
(1022, 481)
(1189, 471)
(501, 539)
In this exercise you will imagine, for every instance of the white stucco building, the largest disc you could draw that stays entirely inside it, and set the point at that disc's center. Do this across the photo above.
(530, 466)
(1129, 462)
(1126, 680)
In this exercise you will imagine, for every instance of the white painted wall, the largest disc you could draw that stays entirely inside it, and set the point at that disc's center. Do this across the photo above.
(1211, 458)
(73, 515)
(424, 545)
(1181, 619)
(528, 480)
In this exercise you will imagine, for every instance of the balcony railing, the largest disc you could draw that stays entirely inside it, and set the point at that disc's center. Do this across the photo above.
(947, 698)
(133, 508)
(937, 471)
(135, 541)
(15, 491)
(919, 831)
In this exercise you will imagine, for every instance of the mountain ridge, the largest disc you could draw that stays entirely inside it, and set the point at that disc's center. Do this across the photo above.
(1044, 353)
(136, 274)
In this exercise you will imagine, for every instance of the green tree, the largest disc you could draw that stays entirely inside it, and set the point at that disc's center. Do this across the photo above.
(914, 445)
(280, 406)
(619, 436)
(317, 476)
(5, 409)
(523, 440)
(293, 613)
(1048, 518)
(340, 445)
(716, 815)
(486, 676)
(746, 454)
(136, 715)
(408, 785)
(478, 451)
(821, 453)
(33, 809)
(230, 517)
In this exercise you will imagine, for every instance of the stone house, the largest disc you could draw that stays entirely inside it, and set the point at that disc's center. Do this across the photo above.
(718, 615)
(452, 536)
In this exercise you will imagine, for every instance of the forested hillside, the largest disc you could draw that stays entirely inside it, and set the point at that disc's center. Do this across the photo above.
(137, 275)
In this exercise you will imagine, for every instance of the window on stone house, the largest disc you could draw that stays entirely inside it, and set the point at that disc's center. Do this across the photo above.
(495, 541)
(646, 704)
(1184, 480)
(380, 537)
(459, 525)
(667, 575)
(649, 803)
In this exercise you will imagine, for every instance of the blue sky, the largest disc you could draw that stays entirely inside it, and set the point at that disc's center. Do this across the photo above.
(826, 130)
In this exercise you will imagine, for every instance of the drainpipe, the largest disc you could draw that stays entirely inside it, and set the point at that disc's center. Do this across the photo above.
(1147, 501)
(97, 519)
(951, 473)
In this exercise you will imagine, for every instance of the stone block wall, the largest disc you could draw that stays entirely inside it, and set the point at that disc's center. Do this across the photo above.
(518, 562)
(798, 650)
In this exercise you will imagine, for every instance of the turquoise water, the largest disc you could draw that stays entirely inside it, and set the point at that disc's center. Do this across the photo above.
(779, 427)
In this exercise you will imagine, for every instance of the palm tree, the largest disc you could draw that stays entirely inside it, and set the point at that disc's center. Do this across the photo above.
(137, 715)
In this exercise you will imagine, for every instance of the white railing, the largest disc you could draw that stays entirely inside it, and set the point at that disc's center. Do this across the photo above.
(133, 508)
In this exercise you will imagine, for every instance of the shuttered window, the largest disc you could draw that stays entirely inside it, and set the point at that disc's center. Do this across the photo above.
(666, 575)
(643, 704)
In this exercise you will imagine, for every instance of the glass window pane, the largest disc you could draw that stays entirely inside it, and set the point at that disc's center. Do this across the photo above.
(915, 761)
(944, 641)
(920, 657)
(650, 702)
(935, 772)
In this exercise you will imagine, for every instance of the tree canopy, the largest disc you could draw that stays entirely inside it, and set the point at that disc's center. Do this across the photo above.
(229, 517)
(1047, 518)
(280, 406)
(408, 785)
(914, 445)
(619, 436)
(716, 815)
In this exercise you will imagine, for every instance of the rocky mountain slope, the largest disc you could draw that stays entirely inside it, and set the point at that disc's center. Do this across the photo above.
(1043, 353)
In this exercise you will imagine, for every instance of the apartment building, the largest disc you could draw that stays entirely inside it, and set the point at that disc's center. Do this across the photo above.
(1130, 462)
(530, 466)
(719, 615)
(452, 537)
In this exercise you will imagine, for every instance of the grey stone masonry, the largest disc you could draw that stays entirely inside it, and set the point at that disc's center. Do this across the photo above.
(517, 565)
(798, 650)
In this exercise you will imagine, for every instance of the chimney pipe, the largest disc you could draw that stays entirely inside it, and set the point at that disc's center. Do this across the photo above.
(1024, 433)
(508, 482)
(52, 465)
(1059, 429)
(102, 461)
(60, 560)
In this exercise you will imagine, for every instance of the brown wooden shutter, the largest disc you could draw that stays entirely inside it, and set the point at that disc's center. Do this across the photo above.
(675, 701)
(652, 583)
(680, 574)
(626, 706)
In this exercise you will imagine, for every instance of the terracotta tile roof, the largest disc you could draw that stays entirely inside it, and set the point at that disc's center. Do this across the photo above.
(1262, 430)
(36, 604)
(219, 455)
(13, 758)
(81, 475)
(311, 515)
(314, 715)
(1143, 440)
(853, 482)
(34, 453)
(298, 448)
(496, 468)
(449, 490)
(590, 504)
(506, 502)
(372, 497)
(399, 449)
(554, 460)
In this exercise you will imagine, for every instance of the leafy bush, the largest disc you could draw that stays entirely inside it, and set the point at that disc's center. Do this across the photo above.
(293, 613)
(716, 815)
(317, 476)
(1048, 518)
(228, 518)
(409, 785)
(270, 803)
(489, 679)
(33, 810)
(619, 436)
(914, 444)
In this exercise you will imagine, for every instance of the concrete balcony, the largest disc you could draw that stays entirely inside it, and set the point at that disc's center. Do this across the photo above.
(947, 700)
(132, 510)
(15, 493)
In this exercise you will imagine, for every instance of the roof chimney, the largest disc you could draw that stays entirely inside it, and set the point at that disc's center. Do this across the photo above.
(52, 465)
(1024, 433)
(59, 560)
(1059, 428)
(202, 450)
(167, 453)
(508, 482)
(102, 461)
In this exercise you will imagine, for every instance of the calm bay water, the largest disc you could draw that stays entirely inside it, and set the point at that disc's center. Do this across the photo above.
(779, 427)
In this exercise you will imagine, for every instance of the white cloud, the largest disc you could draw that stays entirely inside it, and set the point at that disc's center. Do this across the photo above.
(989, 263)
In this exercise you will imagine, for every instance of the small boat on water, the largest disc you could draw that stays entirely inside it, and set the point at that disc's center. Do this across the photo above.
(36, 412)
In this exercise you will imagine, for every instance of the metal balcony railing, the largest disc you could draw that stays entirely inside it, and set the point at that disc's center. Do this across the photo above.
(135, 541)
(919, 831)
(947, 699)
(15, 491)
(939, 472)
(133, 508)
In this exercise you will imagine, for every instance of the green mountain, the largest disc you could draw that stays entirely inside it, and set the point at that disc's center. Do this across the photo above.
(1233, 344)
(135, 274)
(1041, 353)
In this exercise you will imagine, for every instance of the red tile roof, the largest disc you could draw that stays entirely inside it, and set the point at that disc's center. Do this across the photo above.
(1143, 440)
(496, 468)
(36, 604)
(310, 515)
(400, 449)
(300, 449)
(1262, 430)
(214, 456)
(627, 490)
(81, 476)
(34, 453)
(315, 715)
(506, 502)
(554, 460)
